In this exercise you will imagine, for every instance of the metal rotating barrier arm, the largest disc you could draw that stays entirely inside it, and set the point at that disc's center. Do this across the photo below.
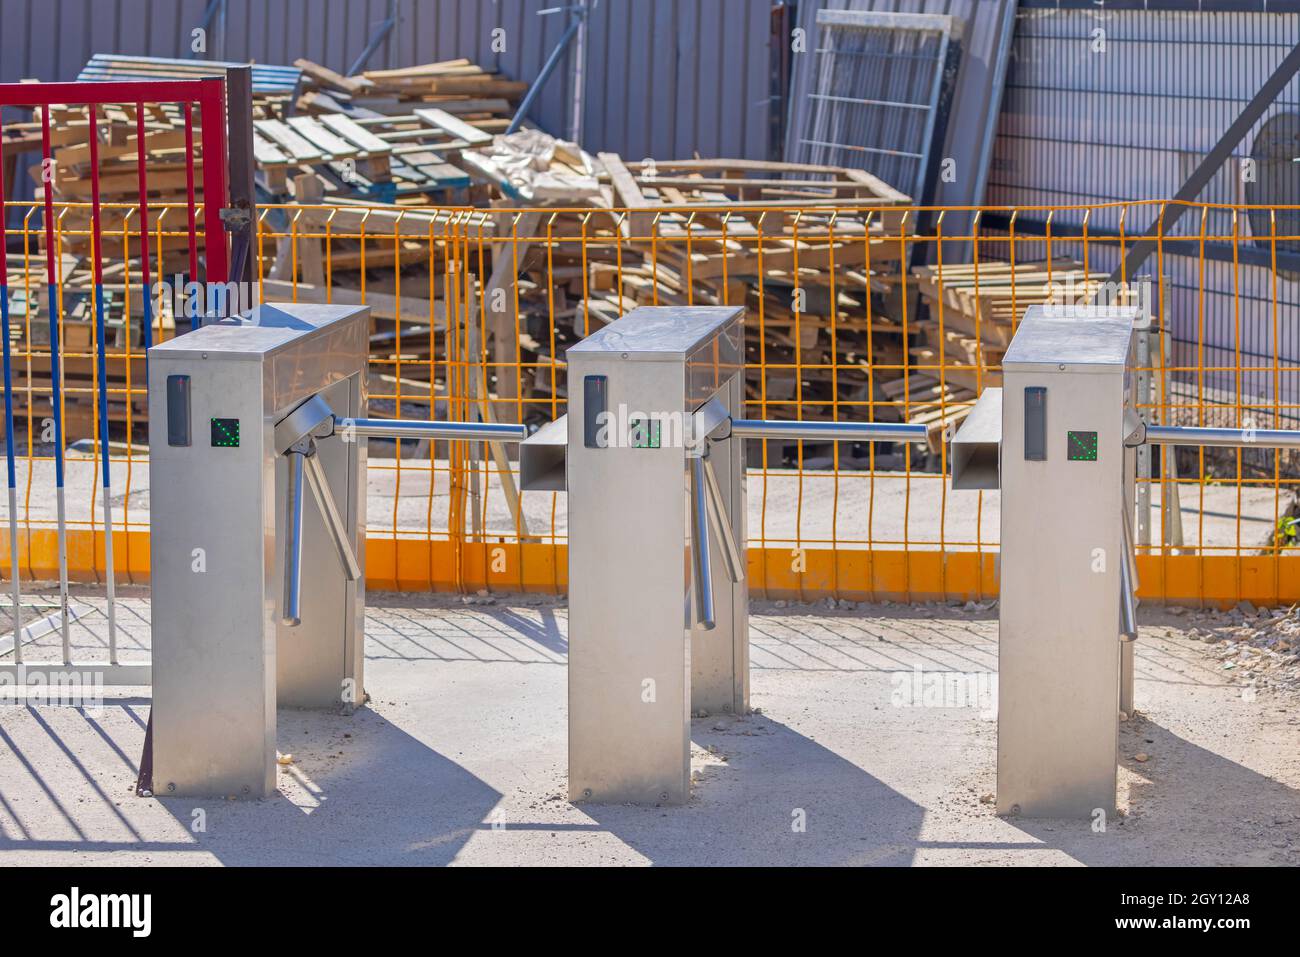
(296, 437)
(292, 611)
(429, 429)
(701, 561)
(717, 510)
(1185, 435)
(319, 484)
(827, 431)
(707, 505)
(1221, 438)
(1128, 580)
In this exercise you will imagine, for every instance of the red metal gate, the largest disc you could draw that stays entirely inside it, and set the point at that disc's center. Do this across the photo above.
(210, 98)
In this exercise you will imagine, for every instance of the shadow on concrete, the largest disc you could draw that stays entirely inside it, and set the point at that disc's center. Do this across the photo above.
(546, 633)
(486, 634)
(744, 812)
(1191, 807)
(361, 791)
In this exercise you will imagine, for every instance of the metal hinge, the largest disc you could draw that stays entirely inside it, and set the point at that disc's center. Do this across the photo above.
(236, 218)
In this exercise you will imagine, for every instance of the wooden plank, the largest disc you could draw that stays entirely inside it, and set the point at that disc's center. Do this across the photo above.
(424, 69)
(267, 153)
(417, 84)
(878, 186)
(722, 185)
(472, 105)
(355, 133)
(122, 185)
(478, 86)
(409, 174)
(382, 305)
(442, 175)
(782, 256)
(348, 216)
(316, 134)
(326, 77)
(629, 194)
(457, 128)
(317, 102)
(479, 392)
(283, 135)
(79, 153)
(505, 259)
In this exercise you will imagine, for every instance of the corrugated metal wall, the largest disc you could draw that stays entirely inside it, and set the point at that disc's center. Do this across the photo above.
(1127, 114)
(665, 78)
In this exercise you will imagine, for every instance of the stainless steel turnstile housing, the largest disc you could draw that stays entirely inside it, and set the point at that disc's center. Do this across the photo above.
(640, 658)
(1060, 440)
(1063, 482)
(222, 656)
(653, 452)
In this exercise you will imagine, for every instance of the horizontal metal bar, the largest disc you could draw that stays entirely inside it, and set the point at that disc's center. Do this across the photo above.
(1167, 6)
(1187, 244)
(54, 675)
(861, 149)
(859, 101)
(1223, 438)
(42, 626)
(871, 19)
(827, 431)
(429, 429)
(889, 55)
(122, 91)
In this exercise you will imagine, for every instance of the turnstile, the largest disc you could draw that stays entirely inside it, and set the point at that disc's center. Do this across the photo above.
(658, 623)
(1059, 440)
(257, 517)
(257, 533)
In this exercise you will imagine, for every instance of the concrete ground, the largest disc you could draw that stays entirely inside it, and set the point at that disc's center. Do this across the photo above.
(460, 756)
(886, 509)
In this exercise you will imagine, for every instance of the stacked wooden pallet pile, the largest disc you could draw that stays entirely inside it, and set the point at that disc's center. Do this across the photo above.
(29, 328)
(364, 153)
(165, 148)
(712, 232)
(388, 135)
(972, 312)
(166, 160)
(385, 137)
(273, 86)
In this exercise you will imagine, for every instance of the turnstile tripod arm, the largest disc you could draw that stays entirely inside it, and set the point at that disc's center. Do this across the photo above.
(1128, 579)
(732, 557)
(1127, 605)
(430, 429)
(828, 431)
(1222, 438)
(701, 565)
(291, 613)
(320, 489)
(304, 464)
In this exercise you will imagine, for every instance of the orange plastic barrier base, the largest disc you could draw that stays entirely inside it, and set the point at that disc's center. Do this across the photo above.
(415, 565)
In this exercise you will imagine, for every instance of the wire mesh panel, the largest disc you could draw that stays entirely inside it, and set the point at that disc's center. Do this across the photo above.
(875, 88)
(1104, 106)
(473, 310)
